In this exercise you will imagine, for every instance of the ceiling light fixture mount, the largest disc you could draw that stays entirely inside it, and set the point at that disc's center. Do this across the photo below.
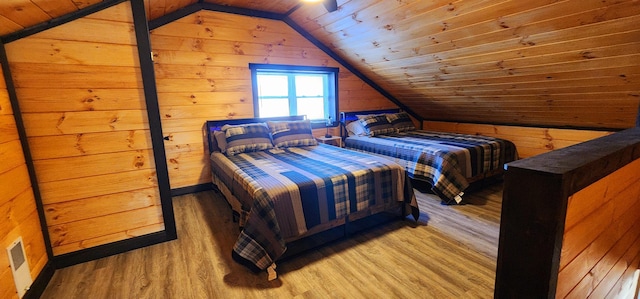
(330, 5)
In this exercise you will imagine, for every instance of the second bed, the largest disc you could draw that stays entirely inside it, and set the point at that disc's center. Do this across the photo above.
(449, 162)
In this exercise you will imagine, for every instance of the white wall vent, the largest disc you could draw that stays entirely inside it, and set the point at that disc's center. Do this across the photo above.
(19, 266)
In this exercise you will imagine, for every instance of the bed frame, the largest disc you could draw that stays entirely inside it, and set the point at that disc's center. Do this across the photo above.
(318, 235)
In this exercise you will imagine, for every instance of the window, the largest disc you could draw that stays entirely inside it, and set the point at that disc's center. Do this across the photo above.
(281, 90)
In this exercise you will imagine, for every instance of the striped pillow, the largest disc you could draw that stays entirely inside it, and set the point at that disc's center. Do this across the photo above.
(246, 138)
(401, 121)
(376, 125)
(218, 142)
(291, 133)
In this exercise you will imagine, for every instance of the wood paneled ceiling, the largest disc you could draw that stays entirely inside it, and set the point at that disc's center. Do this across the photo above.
(560, 63)
(16, 15)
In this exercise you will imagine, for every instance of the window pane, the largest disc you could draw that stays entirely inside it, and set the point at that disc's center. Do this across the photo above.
(313, 108)
(274, 107)
(272, 86)
(309, 85)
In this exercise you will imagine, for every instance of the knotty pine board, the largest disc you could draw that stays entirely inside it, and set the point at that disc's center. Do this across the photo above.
(7, 26)
(8, 130)
(108, 163)
(200, 71)
(529, 141)
(72, 145)
(204, 85)
(64, 123)
(203, 111)
(41, 101)
(17, 179)
(17, 211)
(92, 30)
(114, 237)
(58, 191)
(25, 14)
(110, 238)
(542, 119)
(44, 76)
(11, 155)
(205, 98)
(92, 207)
(78, 231)
(17, 201)
(602, 234)
(73, 52)
(5, 105)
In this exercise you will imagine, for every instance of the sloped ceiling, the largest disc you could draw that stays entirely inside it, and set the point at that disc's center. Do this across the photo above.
(560, 63)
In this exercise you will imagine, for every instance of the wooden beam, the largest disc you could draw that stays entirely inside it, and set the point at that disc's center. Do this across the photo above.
(153, 113)
(180, 13)
(243, 11)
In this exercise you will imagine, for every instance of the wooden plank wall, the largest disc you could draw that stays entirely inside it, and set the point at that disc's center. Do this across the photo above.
(529, 141)
(79, 88)
(601, 244)
(201, 64)
(17, 201)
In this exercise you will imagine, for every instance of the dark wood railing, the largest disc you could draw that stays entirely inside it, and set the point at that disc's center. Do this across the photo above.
(537, 200)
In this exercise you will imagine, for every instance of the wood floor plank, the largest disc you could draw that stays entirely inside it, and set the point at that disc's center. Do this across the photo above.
(450, 252)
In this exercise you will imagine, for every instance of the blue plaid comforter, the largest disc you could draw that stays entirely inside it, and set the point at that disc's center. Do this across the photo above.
(444, 160)
(289, 191)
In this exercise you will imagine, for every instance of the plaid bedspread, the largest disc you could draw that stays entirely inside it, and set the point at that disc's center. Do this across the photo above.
(287, 192)
(444, 160)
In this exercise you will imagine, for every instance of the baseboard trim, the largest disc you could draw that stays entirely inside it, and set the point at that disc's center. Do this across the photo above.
(94, 253)
(191, 189)
(40, 283)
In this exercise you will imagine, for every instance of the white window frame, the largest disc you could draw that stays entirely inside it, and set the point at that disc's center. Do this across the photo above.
(330, 92)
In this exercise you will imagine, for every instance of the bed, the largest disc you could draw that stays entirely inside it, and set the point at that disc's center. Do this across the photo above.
(285, 187)
(448, 162)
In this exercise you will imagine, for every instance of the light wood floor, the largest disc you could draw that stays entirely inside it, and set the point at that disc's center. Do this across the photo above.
(450, 253)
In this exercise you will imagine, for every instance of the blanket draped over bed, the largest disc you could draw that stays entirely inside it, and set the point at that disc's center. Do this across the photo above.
(289, 191)
(444, 160)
